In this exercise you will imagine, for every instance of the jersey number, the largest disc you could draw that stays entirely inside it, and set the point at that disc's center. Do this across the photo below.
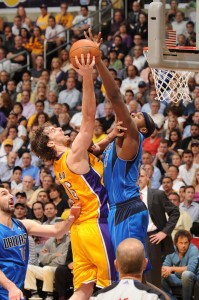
(71, 191)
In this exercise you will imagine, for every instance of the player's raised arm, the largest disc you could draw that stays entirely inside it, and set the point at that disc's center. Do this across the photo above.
(84, 138)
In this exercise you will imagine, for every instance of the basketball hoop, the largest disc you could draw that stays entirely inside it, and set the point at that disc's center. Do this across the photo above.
(170, 85)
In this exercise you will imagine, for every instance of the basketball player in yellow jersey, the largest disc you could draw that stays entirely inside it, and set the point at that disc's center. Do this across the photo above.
(81, 175)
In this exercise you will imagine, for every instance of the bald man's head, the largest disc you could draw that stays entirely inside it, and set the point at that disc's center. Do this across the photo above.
(130, 257)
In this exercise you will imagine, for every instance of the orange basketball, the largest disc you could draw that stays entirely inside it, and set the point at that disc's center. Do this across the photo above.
(83, 47)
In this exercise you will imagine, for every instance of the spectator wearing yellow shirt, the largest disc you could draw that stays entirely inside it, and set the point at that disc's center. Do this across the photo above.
(42, 20)
(98, 132)
(64, 18)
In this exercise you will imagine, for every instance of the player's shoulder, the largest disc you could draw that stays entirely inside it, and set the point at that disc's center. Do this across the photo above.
(104, 291)
(149, 290)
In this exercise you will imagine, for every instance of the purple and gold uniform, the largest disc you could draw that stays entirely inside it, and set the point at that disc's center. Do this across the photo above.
(93, 254)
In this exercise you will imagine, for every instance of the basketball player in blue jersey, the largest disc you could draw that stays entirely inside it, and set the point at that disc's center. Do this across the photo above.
(14, 247)
(128, 216)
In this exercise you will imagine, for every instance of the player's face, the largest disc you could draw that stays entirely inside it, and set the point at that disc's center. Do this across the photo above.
(56, 135)
(6, 201)
(139, 120)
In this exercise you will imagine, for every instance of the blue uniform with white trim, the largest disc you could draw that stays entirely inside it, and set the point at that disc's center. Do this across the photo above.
(128, 216)
(14, 254)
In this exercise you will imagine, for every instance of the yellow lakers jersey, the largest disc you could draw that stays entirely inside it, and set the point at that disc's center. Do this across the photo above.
(88, 189)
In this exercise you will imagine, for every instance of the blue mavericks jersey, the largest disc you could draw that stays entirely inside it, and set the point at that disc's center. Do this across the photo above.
(121, 176)
(14, 254)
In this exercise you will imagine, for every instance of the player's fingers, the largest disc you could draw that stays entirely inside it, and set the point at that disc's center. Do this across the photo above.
(88, 59)
(86, 35)
(77, 61)
(90, 33)
(93, 61)
(82, 60)
(99, 37)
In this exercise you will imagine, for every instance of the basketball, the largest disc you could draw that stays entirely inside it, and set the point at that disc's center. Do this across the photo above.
(83, 47)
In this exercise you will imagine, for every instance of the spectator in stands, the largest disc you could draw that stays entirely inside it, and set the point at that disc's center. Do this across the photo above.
(167, 185)
(98, 132)
(119, 47)
(192, 119)
(142, 27)
(54, 33)
(138, 58)
(5, 103)
(175, 140)
(147, 159)
(151, 144)
(130, 263)
(20, 211)
(160, 227)
(13, 135)
(64, 122)
(46, 180)
(27, 168)
(64, 58)
(137, 41)
(152, 97)
(56, 74)
(16, 180)
(27, 187)
(117, 21)
(4, 64)
(154, 182)
(81, 22)
(11, 89)
(184, 221)
(9, 39)
(50, 102)
(187, 170)
(191, 34)
(196, 185)
(176, 159)
(189, 205)
(26, 22)
(40, 119)
(38, 212)
(173, 173)
(17, 25)
(133, 16)
(52, 255)
(195, 150)
(35, 45)
(132, 81)
(182, 193)
(157, 117)
(50, 211)
(70, 95)
(4, 77)
(6, 147)
(56, 111)
(114, 62)
(6, 169)
(39, 108)
(163, 157)
(28, 107)
(128, 61)
(194, 131)
(42, 20)
(181, 267)
(126, 38)
(20, 60)
(170, 124)
(55, 195)
(64, 18)
(43, 196)
(109, 117)
(179, 24)
(170, 14)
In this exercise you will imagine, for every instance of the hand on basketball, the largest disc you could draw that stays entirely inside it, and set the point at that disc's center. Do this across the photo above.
(84, 68)
(98, 41)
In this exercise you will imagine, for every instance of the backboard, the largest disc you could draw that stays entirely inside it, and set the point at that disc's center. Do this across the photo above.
(161, 54)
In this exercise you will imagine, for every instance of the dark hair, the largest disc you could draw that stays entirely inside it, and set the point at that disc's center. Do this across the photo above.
(51, 17)
(178, 133)
(55, 187)
(163, 141)
(187, 151)
(17, 168)
(189, 187)
(182, 233)
(52, 203)
(167, 177)
(84, 6)
(18, 104)
(175, 194)
(174, 167)
(39, 141)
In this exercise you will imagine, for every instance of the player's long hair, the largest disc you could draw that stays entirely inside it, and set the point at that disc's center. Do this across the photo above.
(39, 141)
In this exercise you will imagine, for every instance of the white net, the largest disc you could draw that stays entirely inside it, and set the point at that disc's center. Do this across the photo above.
(171, 85)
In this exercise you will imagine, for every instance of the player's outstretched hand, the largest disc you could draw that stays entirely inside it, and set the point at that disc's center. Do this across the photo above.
(118, 129)
(75, 211)
(98, 40)
(84, 67)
